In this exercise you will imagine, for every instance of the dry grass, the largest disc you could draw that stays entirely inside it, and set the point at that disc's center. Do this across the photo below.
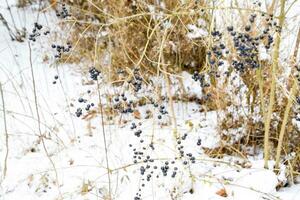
(129, 33)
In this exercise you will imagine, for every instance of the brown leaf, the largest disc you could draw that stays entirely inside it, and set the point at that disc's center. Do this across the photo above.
(137, 114)
(222, 193)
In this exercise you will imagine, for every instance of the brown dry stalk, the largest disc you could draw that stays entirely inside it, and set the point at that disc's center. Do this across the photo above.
(5, 131)
(161, 60)
(271, 7)
(284, 122)
(171, 102)
(288, 106)
(273, 85)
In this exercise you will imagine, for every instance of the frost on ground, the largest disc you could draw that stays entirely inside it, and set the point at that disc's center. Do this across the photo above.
(75, 167)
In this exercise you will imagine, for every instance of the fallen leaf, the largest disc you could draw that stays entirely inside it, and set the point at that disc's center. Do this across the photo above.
(222, 193)
(137, 114)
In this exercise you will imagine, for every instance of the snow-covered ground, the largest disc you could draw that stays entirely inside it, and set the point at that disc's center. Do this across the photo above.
(76, 166)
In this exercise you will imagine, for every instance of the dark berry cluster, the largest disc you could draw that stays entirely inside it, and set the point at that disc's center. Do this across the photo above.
(201, 78)
(94, 73)
(258, 3)
(216, 34)
(146, 167)
(78, 112)
(63, 13)
(138, 132)
(186, 157)
(162, 111)
(60, 49)
(55, 79)
(47, 32)
(86, 106)
(152, 169)
(247, 46)
(123, 105)
(199, 142)
(216, 54)
(136, 80)
(252, 18)
(36, 31)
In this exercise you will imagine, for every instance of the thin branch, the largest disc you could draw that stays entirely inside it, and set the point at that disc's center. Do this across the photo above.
(41, 136)
(104, 141)
(5, 131)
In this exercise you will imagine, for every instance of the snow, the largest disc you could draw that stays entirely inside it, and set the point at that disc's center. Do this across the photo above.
(263, 55)
(76, 145)
(195, 32)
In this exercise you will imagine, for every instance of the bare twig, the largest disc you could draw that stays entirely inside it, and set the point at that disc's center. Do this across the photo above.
(10, 32)
(168, 82)
(41, 136)
(104, 141)
(19, 36)
(11, 15)
(5, 131)
(102, 122)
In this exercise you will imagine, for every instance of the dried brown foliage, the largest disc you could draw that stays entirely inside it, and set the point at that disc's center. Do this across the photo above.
(129, 32)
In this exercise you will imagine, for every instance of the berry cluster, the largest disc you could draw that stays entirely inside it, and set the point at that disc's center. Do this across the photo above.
(94, 73)
(61, 49)
(201, 78)
(252, 18)
(87, 107)
(36, 32)
(162, 111)
(136, 80)
(216, 53)
(246, 45)
(64, 13)
(55, 79)
(123, 105)
(138, 132)
(257, 3)
(151, 168)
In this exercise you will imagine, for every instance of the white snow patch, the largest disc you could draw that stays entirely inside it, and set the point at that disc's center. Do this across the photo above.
(195, 32)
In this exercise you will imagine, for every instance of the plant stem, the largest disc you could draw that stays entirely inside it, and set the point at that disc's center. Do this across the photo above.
(104, 141)
(41, 136)
(6, 132)
(288, 106)
(284, 122)
(273, 85)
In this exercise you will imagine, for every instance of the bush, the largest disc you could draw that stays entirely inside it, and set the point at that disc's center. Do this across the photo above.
(236, 63)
